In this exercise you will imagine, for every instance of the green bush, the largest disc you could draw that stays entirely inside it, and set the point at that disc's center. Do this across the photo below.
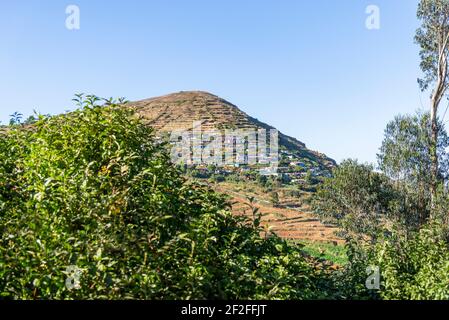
(93, 189)
(218, 178)
(414, 269)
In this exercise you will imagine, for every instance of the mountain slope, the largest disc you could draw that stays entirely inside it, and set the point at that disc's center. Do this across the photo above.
(178, 111)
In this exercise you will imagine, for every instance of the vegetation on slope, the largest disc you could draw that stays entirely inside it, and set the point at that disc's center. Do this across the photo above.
(390, 218)
(93, 190)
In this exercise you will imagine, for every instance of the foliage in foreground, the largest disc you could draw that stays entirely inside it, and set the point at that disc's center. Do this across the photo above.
(93, 189)
(409, 269)
(389, 217)
(419, 270)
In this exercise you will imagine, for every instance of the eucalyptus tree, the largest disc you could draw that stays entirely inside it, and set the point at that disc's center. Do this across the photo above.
(433, 38)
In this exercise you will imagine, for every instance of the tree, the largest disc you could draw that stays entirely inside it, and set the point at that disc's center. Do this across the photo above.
(356, 197)
(262, 180)
(274, 199)
(309, 177)
(405, 157)
(405, 154)
(15, 118)
(30, 120)
(433, 38)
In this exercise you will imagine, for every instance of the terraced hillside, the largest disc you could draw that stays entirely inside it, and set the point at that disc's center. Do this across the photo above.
(289, 222)
(178, 111)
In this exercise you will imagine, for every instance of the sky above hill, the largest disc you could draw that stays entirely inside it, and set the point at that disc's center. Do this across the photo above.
(310, 68)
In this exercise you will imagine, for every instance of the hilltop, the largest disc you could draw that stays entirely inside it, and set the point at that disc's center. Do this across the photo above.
(300, 169)
(177, 111)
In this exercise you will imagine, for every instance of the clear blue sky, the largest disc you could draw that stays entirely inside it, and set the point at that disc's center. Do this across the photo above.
(310, 68)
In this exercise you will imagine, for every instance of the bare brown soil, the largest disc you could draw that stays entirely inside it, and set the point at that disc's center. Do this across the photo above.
(287, 223)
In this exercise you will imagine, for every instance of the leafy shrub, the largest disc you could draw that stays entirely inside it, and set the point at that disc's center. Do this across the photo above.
(218, 178)
(93, 189)
(410, 269)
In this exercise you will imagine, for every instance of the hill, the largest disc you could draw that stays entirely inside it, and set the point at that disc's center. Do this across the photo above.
(178, 111)
(300, 168)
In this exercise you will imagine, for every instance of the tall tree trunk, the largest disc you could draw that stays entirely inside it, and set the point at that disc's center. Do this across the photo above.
(433, 150)
(438, 93)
